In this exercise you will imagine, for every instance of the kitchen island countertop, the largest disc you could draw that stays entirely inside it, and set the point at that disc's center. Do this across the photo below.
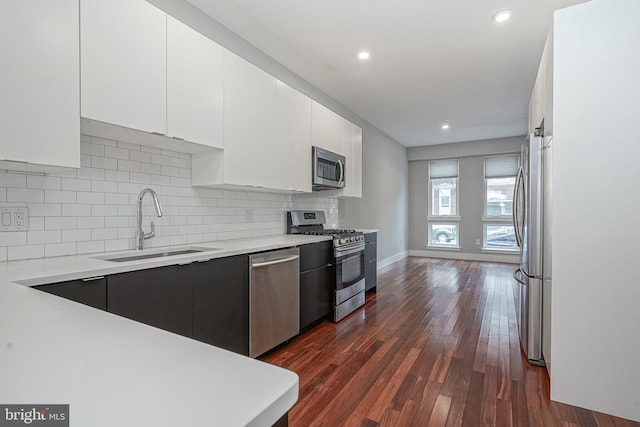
(116, 372)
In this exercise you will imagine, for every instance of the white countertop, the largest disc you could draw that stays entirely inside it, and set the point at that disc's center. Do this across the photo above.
(116, 372)
(58, 269)
(367, 230)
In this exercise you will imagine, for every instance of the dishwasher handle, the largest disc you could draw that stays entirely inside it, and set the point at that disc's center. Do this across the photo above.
(276, 261)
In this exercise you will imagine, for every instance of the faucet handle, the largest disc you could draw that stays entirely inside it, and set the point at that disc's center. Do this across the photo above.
(152, 233)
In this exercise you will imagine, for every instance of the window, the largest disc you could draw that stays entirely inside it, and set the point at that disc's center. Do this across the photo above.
(443, 222)
(499, 180)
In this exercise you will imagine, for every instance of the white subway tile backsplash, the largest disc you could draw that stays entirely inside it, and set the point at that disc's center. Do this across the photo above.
(60, 223)
(36, 223)
(13, 238)
(25, 195)
(76, 210)
(90, 222)
(56, 196)
(90, 247)
(104, 233)
(88, 197)
(74, 184)
(93, 209)
(78, 235)
(128, 165)
(116, 153)
(15, 180)
(45, 209)
(42, 182)
(59, 249)
(25, 252)
(38, 237)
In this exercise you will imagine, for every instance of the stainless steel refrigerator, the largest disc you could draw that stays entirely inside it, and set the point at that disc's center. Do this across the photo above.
(531, 218)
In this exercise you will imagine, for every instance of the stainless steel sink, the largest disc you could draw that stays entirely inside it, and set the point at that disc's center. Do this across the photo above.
(135, 256)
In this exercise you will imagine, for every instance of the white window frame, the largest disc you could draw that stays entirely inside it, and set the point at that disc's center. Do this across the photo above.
(502, 220)
(453, 219)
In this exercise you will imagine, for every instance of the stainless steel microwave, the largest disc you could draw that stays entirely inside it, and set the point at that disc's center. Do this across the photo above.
(328, 170)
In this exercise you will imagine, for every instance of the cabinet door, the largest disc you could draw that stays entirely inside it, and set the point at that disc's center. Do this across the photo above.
(314, 255)
(238, 114)
(221, 303)
(327, 129)
(315, 295)
(293, 139)
(194, 86)
(123, 63)
(160, 297)
(91, 291)
(355, 187)
(262, 153)
(40, 85)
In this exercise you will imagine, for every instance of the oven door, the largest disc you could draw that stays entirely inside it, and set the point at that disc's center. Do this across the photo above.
(349, 267)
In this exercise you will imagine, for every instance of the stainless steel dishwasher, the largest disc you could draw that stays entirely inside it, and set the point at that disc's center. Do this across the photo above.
(274, 299)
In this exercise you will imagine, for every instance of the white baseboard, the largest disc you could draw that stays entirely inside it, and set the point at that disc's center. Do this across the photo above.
(506, 258)
(388, 261)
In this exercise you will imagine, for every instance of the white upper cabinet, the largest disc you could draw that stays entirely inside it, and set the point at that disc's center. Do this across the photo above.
(293, 139)
(353, 148)
(194, 86)
(40, 101)
(327, 129)
(249, 156)
(124, 63)
(262, 154)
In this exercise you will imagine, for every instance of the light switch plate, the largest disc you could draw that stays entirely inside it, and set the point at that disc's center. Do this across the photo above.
(14, 219)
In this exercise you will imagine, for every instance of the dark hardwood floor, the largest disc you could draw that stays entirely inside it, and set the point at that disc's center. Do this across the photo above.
(437, 346)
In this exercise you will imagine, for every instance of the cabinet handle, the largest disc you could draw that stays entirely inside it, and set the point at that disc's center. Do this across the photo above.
(178, 138)
(91, 279)
(158, 133)
(185, 263)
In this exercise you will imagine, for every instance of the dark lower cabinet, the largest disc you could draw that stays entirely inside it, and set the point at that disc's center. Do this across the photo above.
(221, 303)
(160, 297)
(371, 261)
(91, 291)
(316, 282)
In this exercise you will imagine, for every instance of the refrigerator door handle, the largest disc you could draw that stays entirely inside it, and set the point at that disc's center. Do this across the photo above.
(517, 274)
(516, 210)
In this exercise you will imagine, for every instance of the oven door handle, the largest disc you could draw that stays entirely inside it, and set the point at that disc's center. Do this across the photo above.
(341, 253)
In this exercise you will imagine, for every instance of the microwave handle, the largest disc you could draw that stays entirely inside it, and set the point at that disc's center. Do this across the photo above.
(341, 181)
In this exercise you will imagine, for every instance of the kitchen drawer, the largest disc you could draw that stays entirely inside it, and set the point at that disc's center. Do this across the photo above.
(316, 255)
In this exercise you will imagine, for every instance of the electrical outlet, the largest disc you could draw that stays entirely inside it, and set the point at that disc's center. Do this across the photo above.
(477, 242)
(248, 215)
(14, 219)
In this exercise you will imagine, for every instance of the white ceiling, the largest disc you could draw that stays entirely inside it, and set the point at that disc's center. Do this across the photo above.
(431, 60)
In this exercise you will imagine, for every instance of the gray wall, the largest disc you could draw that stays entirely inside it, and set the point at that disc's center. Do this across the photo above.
(384, 203)
(385, 179)
(470, 194)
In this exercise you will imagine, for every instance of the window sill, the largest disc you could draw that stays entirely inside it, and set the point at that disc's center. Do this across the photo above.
(501, 251)
(444, 248)
(444, 218)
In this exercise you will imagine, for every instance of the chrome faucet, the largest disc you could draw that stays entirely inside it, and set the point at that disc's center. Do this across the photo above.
(140, 234)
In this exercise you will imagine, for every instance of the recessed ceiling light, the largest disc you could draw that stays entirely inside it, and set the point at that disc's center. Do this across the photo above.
(502, 16)
(446, 125)
(364, 55)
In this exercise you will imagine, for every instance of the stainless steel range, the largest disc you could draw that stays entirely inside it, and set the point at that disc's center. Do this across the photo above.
(348, 250)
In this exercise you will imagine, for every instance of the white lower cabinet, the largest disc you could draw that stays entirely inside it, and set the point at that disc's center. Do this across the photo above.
(40, 101)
